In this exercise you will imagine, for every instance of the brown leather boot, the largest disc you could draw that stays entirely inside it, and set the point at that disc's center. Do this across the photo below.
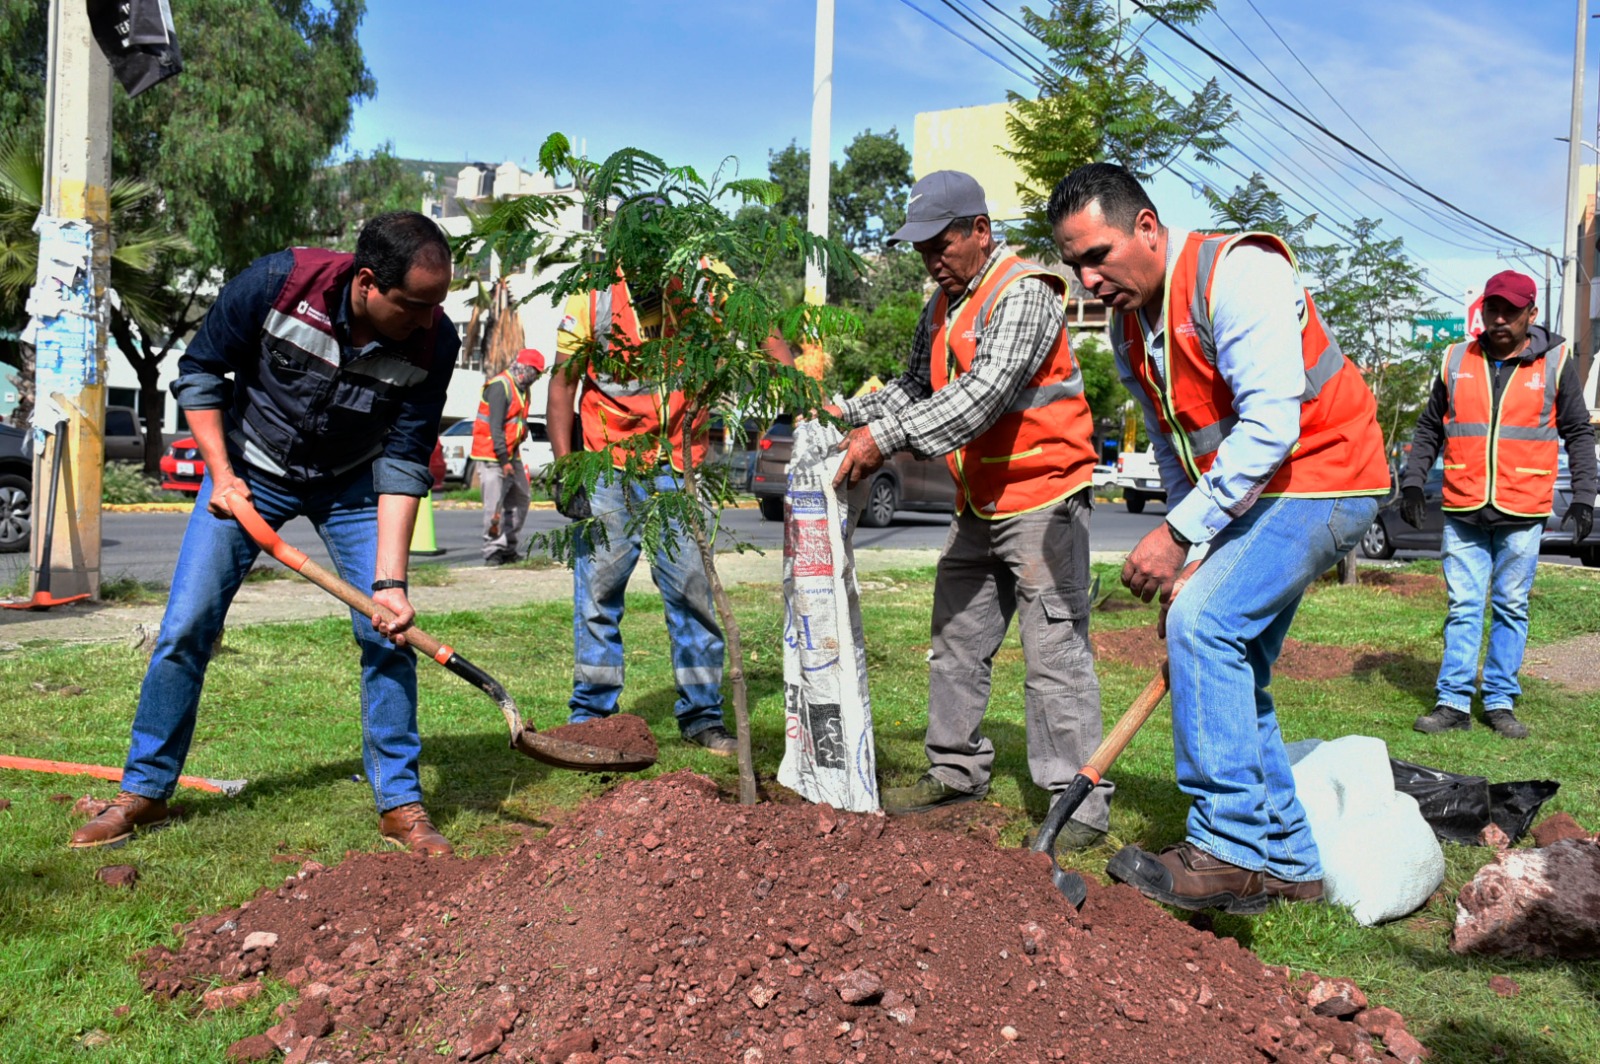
(1189, 878)
(408, 827)
(116, 825)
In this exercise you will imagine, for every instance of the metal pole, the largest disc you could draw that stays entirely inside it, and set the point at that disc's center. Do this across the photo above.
(821, 119)
(1571, 279)
(74, 271)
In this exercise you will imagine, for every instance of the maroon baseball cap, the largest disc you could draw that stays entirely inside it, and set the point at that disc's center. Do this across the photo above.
(1515, 288)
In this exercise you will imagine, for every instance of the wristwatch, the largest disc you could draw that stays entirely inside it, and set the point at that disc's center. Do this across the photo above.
(386, 585)
(1177, 537)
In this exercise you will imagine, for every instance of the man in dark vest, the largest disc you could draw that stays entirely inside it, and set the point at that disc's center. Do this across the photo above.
(338, 368)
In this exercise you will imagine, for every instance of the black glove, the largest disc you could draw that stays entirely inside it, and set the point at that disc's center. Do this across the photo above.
(1581, 514)
(574, 504)
(1411, 506)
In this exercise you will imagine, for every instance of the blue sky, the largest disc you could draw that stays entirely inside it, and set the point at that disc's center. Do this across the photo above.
(1466, 96)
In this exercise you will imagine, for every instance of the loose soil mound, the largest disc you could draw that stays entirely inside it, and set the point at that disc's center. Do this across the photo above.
(1406, 585)
(1299, 661)
(625, 733)
(661, 923)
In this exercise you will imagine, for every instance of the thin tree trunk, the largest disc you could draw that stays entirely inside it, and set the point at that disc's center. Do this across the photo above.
(733, 669)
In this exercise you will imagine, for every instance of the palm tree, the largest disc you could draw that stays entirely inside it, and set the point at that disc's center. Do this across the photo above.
(142, 245)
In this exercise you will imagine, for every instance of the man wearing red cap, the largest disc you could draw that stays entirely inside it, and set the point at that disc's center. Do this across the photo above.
(501, 427)
(1497, 409)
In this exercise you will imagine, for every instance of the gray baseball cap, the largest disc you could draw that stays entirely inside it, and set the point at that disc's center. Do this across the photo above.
(936, 201)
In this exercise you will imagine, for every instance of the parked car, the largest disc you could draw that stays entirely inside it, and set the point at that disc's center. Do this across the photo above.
(182, 468)
(1139, 477)
(456, 440)
(457, 443)
(16, 488)
(1389, 532)
(905, 482)
(124, 435)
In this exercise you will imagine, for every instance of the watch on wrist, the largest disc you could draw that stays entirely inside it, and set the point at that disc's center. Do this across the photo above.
(1178, 537)
(388, 585)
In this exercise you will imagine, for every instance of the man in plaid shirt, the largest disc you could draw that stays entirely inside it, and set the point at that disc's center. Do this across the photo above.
(993, 385)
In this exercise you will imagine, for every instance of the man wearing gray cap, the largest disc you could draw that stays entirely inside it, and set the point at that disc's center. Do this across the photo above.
(993, 386)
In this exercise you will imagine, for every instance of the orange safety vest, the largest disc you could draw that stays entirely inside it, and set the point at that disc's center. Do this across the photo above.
(1042, 447)
(613, 410)
(1502, 452)
(1340, 450)
(516, 426)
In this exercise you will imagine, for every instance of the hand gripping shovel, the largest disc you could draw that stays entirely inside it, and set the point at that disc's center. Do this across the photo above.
(561, 753)
(1070, 884)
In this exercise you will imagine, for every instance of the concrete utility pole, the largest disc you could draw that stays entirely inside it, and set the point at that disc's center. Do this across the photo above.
(821, 121)
(1572, 286)
(69, 302)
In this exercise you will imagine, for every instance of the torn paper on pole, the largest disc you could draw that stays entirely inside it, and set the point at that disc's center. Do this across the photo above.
(66, 320)
(828, 754)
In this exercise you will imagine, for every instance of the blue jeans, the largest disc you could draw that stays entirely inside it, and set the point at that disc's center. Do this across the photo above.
(1493, 567)
(212, 563)
(1224, 633)
(600, 581)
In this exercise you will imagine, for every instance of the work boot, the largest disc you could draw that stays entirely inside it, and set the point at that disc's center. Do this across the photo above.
(126, 813)
(1505, 724)
(1443, 719)
(1189, 878)
(408, 827)
(714, 740)
(927, 793)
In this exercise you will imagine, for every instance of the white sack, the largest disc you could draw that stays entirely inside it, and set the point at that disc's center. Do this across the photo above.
(828, 753)
(1379, 857)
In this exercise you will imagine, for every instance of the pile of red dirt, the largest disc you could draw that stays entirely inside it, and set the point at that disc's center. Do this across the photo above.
(1141, 647)
(663, 923)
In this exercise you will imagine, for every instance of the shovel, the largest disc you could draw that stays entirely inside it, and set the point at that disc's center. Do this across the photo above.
(1070, 884)
(560, 753)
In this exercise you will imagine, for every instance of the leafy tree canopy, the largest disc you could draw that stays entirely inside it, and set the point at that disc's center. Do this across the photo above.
(1096, 102)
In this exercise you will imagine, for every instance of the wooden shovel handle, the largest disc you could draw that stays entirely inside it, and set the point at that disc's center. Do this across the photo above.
(1128, 725)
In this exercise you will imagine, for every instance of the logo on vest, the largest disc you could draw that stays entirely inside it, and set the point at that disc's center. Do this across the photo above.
(306, 310)
(1535, 383)
(1188, 328)
(1461, 375)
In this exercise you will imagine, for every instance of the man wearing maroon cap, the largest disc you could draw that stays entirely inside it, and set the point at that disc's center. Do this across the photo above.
(1500, 408)
(501, 427)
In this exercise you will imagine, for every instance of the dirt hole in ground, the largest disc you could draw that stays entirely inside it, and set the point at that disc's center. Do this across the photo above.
(1142, 648)
(662, 922)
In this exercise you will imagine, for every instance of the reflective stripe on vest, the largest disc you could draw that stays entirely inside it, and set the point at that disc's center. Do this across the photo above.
(516, 423)
(1040, 449)
(1340, 450)
(1501, 451)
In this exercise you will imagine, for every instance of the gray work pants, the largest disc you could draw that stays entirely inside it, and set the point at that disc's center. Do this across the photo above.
(507, 498)
(1035, 566)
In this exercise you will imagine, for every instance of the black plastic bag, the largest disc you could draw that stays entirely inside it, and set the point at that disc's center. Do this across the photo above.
(1459, 807)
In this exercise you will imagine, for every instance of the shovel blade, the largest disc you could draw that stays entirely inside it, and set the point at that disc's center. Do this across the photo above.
(1070, 884)
(579, 757)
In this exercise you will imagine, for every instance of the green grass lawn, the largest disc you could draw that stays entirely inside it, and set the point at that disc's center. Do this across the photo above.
(280, 709)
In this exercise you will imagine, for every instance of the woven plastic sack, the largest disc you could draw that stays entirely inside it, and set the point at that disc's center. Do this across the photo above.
(1379, 856)
(828, 753)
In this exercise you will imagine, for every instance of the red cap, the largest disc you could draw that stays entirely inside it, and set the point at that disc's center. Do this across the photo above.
(529, 357)
(1515, 288)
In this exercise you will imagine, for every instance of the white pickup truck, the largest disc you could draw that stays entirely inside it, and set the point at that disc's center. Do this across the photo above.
(1139, 477)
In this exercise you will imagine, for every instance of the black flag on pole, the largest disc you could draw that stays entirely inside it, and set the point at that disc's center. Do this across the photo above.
(138, 37)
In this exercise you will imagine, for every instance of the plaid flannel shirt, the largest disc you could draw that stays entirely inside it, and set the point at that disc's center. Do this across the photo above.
(907, 414)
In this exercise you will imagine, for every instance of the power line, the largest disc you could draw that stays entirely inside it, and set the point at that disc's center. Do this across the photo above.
(967, 41)
(1026, 60)
(1324, 130)
(1312, 75)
